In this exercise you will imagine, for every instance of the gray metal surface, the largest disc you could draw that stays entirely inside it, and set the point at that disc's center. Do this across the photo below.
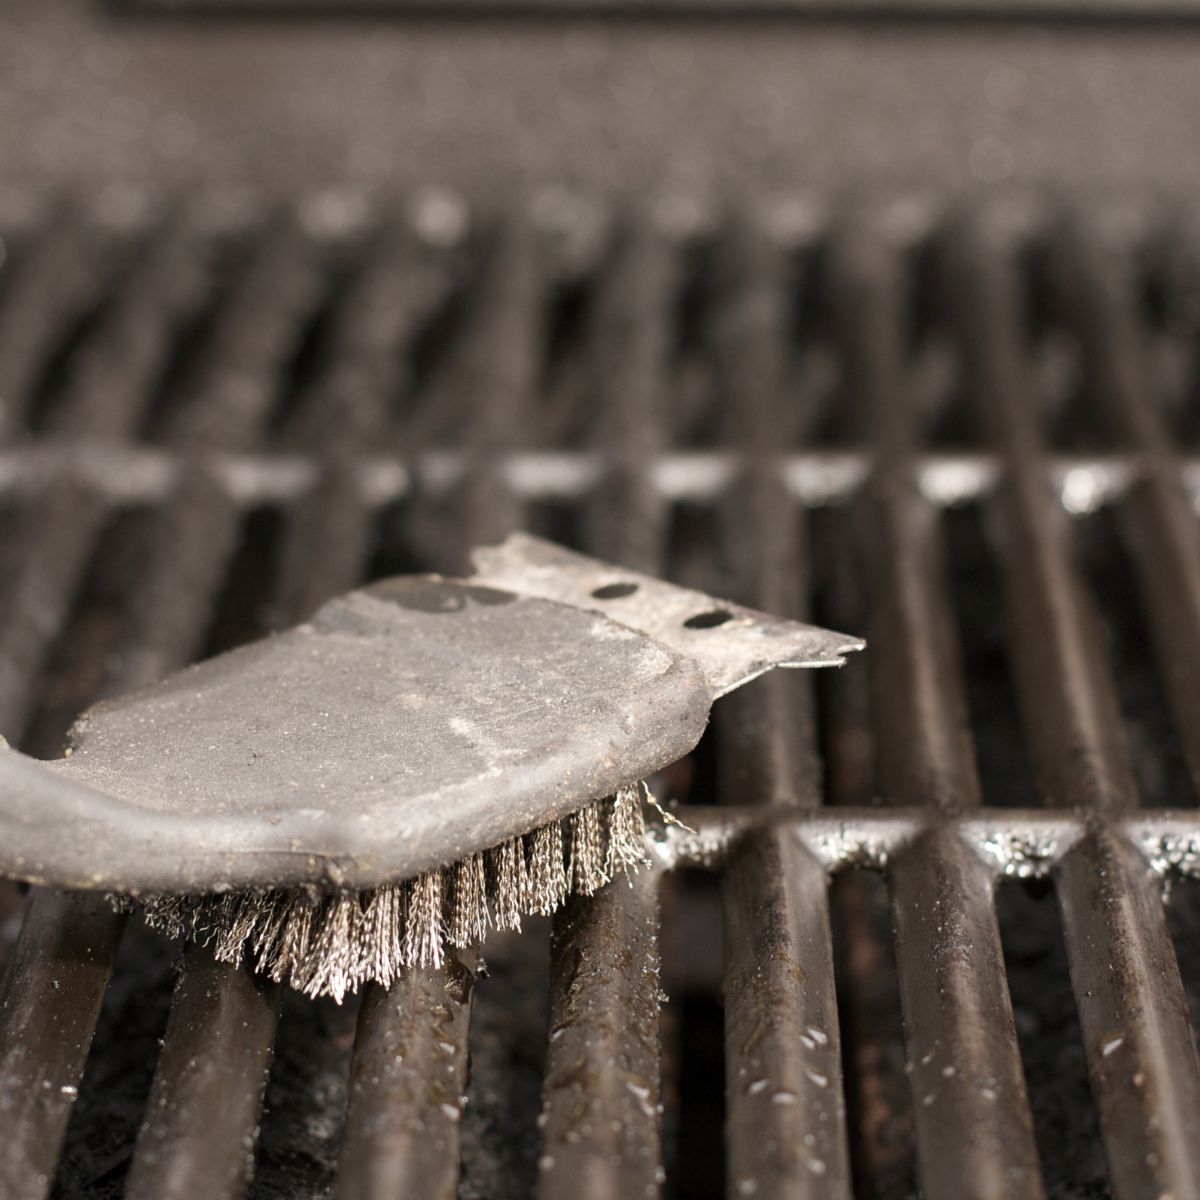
(402, 728)
(936, 434)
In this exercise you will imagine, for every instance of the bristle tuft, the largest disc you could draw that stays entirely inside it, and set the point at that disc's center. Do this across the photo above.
(467, 911)
(587, 874)
(509, 884)
(423, 929)
(331, 945)
(547, 872)
(626, 833)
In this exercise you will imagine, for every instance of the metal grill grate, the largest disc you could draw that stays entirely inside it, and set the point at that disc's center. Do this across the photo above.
(970, 435)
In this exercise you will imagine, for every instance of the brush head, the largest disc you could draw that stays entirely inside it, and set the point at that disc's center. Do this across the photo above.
(406, 727)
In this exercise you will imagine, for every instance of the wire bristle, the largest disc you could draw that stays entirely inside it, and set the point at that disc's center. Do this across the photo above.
(587, 874)
(626, 833)
(467, 910)
(547, 872)
(331, 945)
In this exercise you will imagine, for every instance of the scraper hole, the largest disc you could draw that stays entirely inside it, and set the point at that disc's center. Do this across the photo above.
(615, 591)
(709, 620)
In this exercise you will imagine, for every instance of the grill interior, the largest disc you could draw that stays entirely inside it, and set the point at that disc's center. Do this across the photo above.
(917, 937)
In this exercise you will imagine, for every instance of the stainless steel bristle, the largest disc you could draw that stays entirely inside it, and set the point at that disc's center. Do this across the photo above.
(333, 944)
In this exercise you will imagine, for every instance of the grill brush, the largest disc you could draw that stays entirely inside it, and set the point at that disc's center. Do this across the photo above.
(424, 758)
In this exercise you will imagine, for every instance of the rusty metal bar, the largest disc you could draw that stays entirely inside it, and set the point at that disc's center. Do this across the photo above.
(196, 1139)
(600, 1096)
(1137, 1033)
(787, 1124)
(109, 381)
(625, 356)
(227, 401)
(52, 994)
(56, 276)
(350, 408)
(402, 1124)
(1157, 516)
(973, 1122)
(406, 1086)
(482, 400)
(602, 1085)
(786, 1121)
(1124, 973)
(1057, 647)
(224, 403)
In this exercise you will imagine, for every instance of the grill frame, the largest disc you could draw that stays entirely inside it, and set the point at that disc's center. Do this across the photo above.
(218, 451)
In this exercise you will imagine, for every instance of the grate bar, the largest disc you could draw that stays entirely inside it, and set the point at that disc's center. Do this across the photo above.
(1080, 757)
(1065, 688)
(600, 1096)
(110, 379)
(602, 1084)
(1157, 516)
(53, 991)
(624, 518)
(1141, 1051)
(484, 398)
(347, 409)
(786, 1133)
(786, 1121)
(191, 546)
(56, 279)
(406, 1086)
(427, 1011)
(973, 1123)
(197, 1136)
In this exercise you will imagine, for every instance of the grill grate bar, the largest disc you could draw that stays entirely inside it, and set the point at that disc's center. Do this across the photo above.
(786, 1121)
(973, 1123)
(483, 399)
(57, 277)
(53, 990)
(1064, 686)
(601, 1091)
(109, 380)
(1140, 1048)
(409, 1069)
(816, 478)
(191, 548)
(203, 1110)
(602, 1083)
(1080, 756)
(1158, 518)
(406, 1085)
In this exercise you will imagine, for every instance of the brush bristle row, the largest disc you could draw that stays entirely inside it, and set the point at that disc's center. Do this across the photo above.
(332, 944)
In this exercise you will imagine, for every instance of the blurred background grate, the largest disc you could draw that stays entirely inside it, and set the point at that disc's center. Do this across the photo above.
(968, 432)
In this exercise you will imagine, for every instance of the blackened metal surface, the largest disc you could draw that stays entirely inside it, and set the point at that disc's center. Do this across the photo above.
(209, 1084)
(53, 990)
(407, 1086)
(926, 429)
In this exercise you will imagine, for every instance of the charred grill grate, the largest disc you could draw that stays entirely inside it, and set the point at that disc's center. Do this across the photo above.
(969, 435)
